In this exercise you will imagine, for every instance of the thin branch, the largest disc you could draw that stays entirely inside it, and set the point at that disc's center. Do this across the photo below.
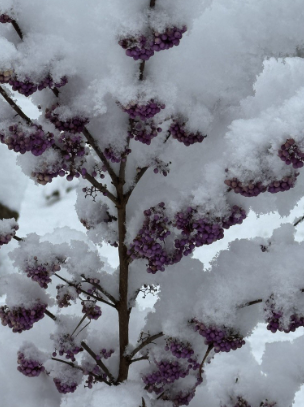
(210, 347)
(101, 188)
(138, 177)
(68, 363)
(14, 106)
(81, 321)
(98, 286)
(17, 28)
(100, 154)
(298, 221)
(146, 357)
(144, 343)
(49, 314)
(99, 362)
(141, 70)
(85, 292)
(19, 239)
(152, 3)
(247, 304)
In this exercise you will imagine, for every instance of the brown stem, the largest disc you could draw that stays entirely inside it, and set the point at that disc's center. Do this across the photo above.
(144, 343)
(98, 362)
(138, 359)
(101, 187)
(85, 292)
(98, 286)
(247, 304)
(210, 347)
(100, 154)
(81, 321)
(14, 106)
(298, 221)
(17, 28)
(138, 177)
(152, 3)
(18, 238)
(141, 70)
(49, 314)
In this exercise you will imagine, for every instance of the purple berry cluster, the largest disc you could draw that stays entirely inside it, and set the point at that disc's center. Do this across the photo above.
(64, 296)
(291, 154)
(105, 354)
(275, 320)
(95, 371)
(71, 145)
(22, 319)
(161, 167)
(29, 367)
(144, 111)
(221, 338)
(4, 18)
(283, 185)
(144, 47)
(67, 346)
(178, 132)
(48, 82)
(114, 157)
(46, 177)
(74, 125)
(179, 349)
(8, 228)
(195, 232)
(146, 245)
(33, 140)
(27, 87)
(144, 131)
(183, 398)
(235, 218)
(64, 387)
(91, 310)
(252, 189)
(241, 403)
(41, 272)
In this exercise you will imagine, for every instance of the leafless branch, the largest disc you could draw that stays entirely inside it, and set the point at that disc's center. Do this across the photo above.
(145, 343)
(17, 29)
(14, 106)
(98, 286)
(49, 314)
(99, 362)
(101, 188)
(209, 349)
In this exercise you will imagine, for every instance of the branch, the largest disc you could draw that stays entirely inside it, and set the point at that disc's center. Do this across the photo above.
(19, 239)
(146, 357)
(138, 177)
(210, 347)
(17, 28)
(85, 292)
(49, 314)
(247, 304)
(141, 70)
(152, 3)
(101, 188)
(143, 344)
(14, 106)
(298, 221)
(99, 362)
(100, 154)
(98, 286)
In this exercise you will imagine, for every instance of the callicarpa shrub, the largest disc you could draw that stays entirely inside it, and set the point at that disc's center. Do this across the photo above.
(175, 119)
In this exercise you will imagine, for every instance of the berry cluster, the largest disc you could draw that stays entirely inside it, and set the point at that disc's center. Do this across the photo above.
(241, 403)
(161, 167)
(74, 125)
(291, 154)
(183, 399)
(111, 155)
(22, 319)
(5, 76)
(71, 145)
(105, 354)
(283, 185)
(34, 140)
(144, 111)
(48, 82)
(91, 310)
(267, 403)
(4, 18)
(64, 387)
(144, 47)
(29, 367)
(41, 272)
(221, 338)
(145, 245)
(26, 87)
(178, 132)
(144, 131)
(67, 346)
(8, 229)
(46, 177)
(252, 189)
(95, 371)
(179, 349)
(275, 320)
(64, 296)
(235, 218)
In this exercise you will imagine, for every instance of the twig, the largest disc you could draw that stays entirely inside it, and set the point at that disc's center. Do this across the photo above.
(83, 328)
(81, 321)
(141, 70)
(101, 188)
(100, 154)
(144, 343)
(19, 239)
(210, 347)
(152, 3)
(138, 177)
(49, 314)
(17, 28)
(98, 286)
(298, 221)
(99, 362)
(146, 357)
(247, 304)
(14, 106)
(85, 292)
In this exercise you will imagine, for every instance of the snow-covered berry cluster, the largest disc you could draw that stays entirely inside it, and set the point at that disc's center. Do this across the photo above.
(221, 338)
(183, 398)
(73, 125)
(28, 366)
(46, 177)
(282, 185)
(63, 387)
(4, 18)
(105, 354)
(21, 319)
(48, 82)
(160, 167)
(235, 218)
(144, 131)
(92, 373)
(8, 228)
(27, 87)
(64, 295)
(275, 319)
(115, 157)
(66, 346)
(179, 349)
(33, 139)
(91, 310)
(249, 190)
(137, 47)
(290, 153)
(41, 273)
(144, 111)
(5, 76)
(178, 132)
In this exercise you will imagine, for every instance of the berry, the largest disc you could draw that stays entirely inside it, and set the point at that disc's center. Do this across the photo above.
(20, 318)
(29, 367)
(178, 132)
